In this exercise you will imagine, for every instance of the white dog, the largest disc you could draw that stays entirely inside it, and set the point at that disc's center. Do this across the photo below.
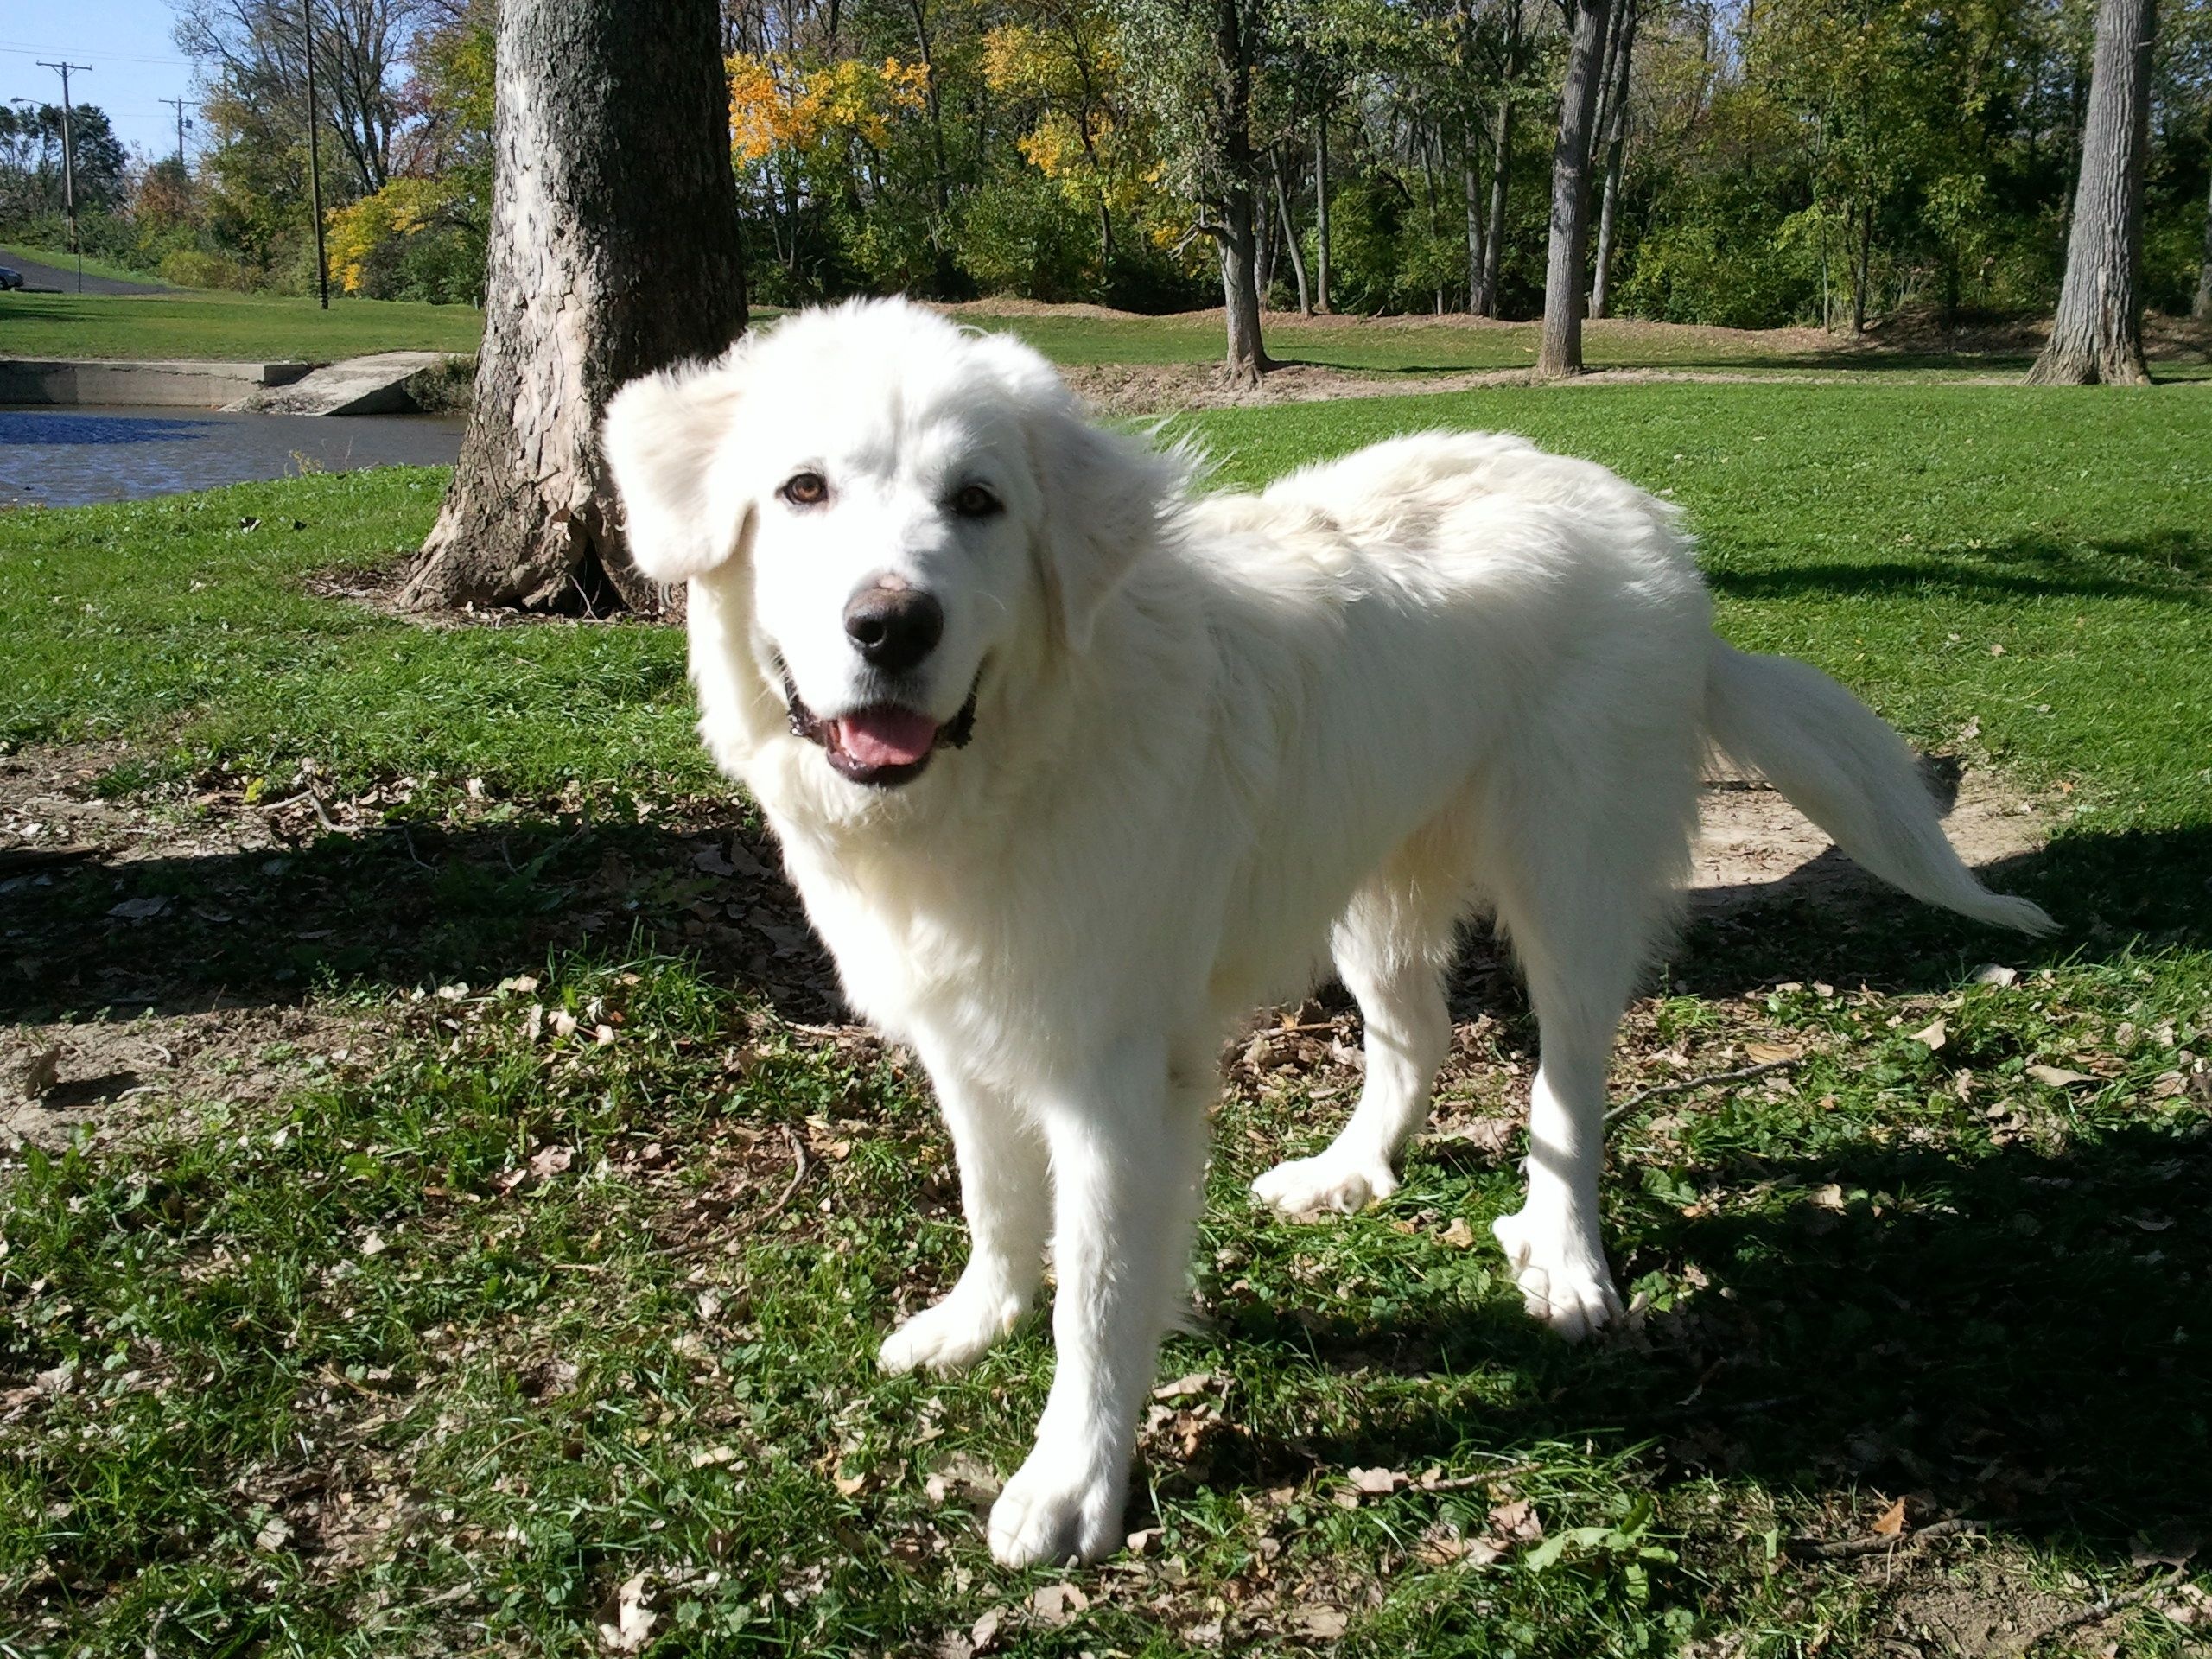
(1074, 771)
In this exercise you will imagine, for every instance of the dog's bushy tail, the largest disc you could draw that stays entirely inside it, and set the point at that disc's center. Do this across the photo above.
(1847, 771)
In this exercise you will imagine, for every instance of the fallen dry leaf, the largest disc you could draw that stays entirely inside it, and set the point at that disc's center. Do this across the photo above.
(1322, 1621)
(1891, 1524)
(1196, 1382)
(632, 1624)
(1772, 1053)
(39, 1072)
(1515, 1521)
(1487, 1134)
(1057, 1603)
(548, 1161)
(2058, 1076)
(1458, 1235)
(1935, 1033)
(1376, 1482)
(983, 1634)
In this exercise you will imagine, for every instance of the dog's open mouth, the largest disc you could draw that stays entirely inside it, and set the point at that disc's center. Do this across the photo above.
(885, 744)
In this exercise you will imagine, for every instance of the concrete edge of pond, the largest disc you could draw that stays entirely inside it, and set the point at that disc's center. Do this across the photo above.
(385, 383)
(176, 382)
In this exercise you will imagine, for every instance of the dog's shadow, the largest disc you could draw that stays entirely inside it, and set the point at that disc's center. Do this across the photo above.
(2018, 1337)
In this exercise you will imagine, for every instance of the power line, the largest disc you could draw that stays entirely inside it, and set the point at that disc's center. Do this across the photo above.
(23, 48)
(28, 49)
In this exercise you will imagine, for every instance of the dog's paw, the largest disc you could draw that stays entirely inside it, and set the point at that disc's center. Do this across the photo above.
(1331, 1180)
(949, 1335)
(1563, 1278)
(1057, 1508)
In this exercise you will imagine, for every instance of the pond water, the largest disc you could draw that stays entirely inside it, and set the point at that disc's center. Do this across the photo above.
(60, 457)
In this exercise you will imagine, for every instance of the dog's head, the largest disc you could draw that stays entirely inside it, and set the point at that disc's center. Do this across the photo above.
(906, 508)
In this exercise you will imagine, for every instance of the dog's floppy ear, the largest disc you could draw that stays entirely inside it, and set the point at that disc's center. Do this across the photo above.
(1105, 496)
(661, 436)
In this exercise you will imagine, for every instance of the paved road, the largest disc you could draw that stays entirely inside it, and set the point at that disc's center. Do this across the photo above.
(37, 275)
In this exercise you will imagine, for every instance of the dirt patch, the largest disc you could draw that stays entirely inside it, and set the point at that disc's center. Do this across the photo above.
(110, 1076)
(1754, 847)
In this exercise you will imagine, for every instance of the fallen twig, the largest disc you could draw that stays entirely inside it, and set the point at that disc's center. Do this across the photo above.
(2096, 1613)
(1743, 1075)
(1462, 1482)
(799, 1174)
(1873, 1543)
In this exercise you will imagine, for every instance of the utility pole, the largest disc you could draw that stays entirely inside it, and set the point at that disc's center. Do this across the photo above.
(69, 161)
(178, 104)
(314, 161)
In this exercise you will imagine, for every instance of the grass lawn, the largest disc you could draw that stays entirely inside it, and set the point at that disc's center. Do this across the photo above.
(62, 259)
(508, 1230)
(234, 326)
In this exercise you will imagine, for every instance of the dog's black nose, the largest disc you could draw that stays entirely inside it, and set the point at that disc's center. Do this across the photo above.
(893, 628)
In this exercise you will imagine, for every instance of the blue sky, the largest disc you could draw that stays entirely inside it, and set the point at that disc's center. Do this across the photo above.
(134, 62)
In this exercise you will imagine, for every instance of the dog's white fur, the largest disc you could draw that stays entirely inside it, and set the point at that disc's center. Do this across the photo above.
(1219, 743)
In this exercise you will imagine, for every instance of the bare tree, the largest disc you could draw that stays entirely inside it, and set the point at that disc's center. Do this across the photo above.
(1561, 350)
(257, 51)
(2098, 332)
(614, 251)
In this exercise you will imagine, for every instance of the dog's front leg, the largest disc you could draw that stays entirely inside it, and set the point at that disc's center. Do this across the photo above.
(1126, 1154)
(1005, 1189)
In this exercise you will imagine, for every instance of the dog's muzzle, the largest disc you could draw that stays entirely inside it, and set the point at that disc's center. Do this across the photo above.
(884, 743)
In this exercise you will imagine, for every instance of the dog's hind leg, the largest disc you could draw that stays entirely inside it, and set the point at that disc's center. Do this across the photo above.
(1005, 1189)
(1391, 947)
(1583, 893)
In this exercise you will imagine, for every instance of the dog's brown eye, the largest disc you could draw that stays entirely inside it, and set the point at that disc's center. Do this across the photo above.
(974, 501)
(806, 490)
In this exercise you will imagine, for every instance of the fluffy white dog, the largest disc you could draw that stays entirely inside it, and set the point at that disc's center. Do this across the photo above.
(1075, 771)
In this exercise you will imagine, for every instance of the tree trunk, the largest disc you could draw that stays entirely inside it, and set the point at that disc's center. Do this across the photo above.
(1235, 48)
(1560, 352)
(1500, 164)
(2098, 332)
(1474, 194)
(1263, 249)
(1247, 357)
(2201, 310)
(614, 251)
(1862, 267)
(1321, 213)
(1616, 140)
(1290, 242)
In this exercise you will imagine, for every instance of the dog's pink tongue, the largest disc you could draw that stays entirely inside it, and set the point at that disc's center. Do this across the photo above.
(886, 736)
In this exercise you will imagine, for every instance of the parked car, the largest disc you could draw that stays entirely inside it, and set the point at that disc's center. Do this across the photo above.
(10, 279)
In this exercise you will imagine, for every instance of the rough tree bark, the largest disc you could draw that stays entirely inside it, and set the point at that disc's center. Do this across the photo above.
(1560, 352)
(1501, 162)
(1614, 127)
(614, 250)
(2098, 332)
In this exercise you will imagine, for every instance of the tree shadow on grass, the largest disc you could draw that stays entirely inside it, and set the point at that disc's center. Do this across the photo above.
(2015, 1337)
(397, 907)
(2174, 565)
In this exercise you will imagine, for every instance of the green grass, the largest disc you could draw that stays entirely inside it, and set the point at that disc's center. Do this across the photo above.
(342, 1372)
(62, 259)
(235, 326)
